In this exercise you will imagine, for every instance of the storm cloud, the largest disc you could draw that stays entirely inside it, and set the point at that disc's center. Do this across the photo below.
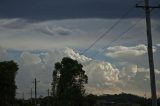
(68, 9)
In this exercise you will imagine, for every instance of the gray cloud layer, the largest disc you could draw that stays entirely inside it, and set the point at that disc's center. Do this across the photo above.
(65, 9)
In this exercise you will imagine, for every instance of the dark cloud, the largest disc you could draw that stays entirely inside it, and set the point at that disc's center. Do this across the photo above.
(65, 9)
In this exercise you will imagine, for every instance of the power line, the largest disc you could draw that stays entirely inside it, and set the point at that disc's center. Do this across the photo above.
(107, 31)
(119, 37)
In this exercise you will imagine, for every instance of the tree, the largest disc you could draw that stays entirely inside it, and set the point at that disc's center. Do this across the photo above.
(8, 70)
(68, 82)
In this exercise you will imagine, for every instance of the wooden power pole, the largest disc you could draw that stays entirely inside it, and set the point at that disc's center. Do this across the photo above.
(35, 83)
(147, 8)
(48, 92)
(31, 95)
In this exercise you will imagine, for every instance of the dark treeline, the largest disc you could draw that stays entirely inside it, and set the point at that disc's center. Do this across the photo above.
(126, 98)
(91, 100)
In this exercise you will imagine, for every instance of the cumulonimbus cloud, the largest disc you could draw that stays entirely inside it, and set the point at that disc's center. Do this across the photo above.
(100, 74)
(103, 76)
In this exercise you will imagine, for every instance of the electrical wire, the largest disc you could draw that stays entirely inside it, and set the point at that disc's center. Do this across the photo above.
(107, 31)
(119, 37)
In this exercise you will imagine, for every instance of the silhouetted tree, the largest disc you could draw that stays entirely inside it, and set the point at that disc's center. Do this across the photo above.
(68, 83)
(8, 71)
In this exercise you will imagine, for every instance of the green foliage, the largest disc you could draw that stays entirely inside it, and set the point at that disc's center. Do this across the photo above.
(8, 70)
(68, 83)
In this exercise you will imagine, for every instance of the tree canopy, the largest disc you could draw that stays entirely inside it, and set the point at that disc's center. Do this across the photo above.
(68, 82)
(8, 70)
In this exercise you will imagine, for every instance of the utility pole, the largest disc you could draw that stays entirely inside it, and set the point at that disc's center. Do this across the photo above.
(23, 97)
(48, 92)
(35, 83)
(48, 97)
(31, 95)
(147, 8)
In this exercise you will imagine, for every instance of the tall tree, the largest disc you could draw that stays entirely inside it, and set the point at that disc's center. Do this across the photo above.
(8, 70)
(68, 82)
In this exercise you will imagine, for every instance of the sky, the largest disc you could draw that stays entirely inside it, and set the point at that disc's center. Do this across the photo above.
(37, 34)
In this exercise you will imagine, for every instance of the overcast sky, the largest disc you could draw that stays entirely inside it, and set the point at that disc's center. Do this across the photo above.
(38, 33)
(66, 9)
